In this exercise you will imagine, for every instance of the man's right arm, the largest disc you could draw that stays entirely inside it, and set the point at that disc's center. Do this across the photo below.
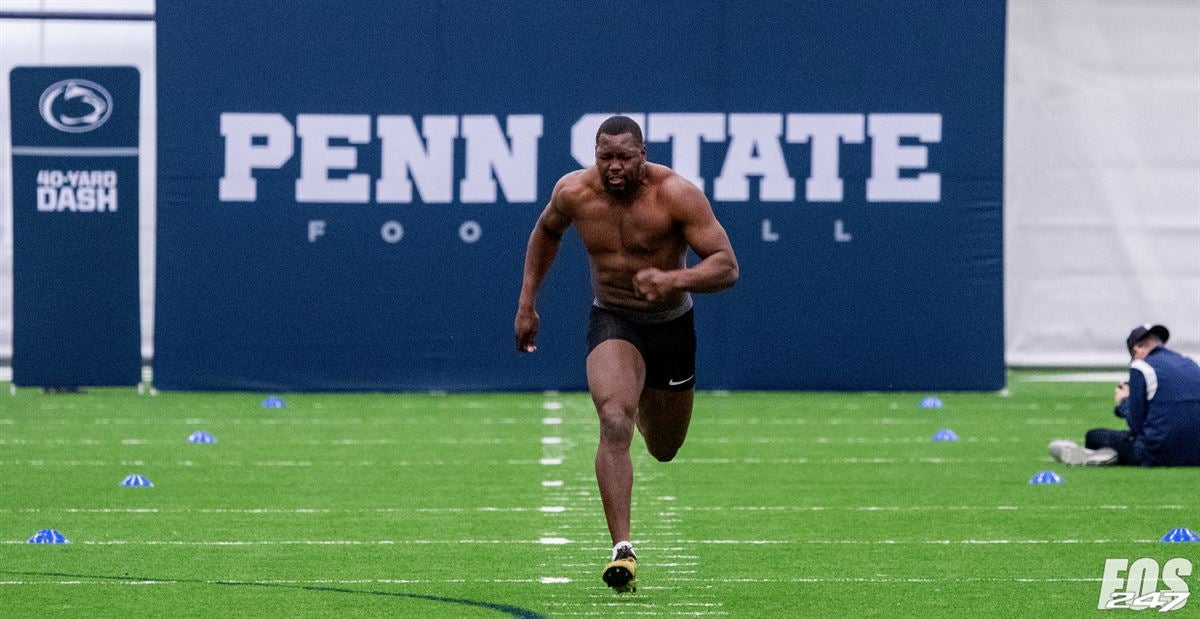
(539, 255)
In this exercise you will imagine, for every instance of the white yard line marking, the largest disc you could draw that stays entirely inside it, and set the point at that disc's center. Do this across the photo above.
(559, 483)
(544, 540)
(278, 463)
(890, 580)
(822, 461)
(552, 421)
(552, 455)
(319, 581)
(552, 406)
(921, 508)
(847, 440)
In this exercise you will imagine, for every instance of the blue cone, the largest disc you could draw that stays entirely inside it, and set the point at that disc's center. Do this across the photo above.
(48, 536)
(945, 435)
(1046, 477)
(200, 436)
(1181, 534)
(273, 402)
(136, 481)
(931, 402)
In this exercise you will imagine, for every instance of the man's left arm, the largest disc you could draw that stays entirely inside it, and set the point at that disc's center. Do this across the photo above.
(1135, 405)
(1121, 400)
(718, 267)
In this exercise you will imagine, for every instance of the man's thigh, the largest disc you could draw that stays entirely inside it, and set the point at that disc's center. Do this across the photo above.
(663, 419)
(1100, 438)
(616, 373)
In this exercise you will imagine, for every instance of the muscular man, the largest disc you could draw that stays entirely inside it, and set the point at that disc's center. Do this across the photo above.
(637, 220)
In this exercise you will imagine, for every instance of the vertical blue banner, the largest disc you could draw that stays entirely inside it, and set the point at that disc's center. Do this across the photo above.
(75, 226)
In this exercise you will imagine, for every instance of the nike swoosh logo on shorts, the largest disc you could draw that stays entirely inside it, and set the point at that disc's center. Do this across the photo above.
(680, 382)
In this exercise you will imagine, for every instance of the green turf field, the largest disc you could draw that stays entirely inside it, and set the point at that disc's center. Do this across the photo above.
(473, 505)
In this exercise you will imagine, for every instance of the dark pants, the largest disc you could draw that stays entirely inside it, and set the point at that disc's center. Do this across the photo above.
(1118, 440)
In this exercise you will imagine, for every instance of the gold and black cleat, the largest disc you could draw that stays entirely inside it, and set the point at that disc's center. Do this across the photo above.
(621, 572)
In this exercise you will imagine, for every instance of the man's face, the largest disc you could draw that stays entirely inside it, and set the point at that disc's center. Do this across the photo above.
(619, 159)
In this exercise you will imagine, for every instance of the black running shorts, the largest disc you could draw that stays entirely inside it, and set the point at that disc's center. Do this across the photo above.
(668, 348)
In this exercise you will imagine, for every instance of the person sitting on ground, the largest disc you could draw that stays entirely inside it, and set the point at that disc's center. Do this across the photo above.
(1160, 403)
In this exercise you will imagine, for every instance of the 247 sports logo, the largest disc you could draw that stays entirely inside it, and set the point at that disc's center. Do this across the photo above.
(1134, 586)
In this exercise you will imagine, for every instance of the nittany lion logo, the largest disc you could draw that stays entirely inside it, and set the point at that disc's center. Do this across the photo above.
(76, 105)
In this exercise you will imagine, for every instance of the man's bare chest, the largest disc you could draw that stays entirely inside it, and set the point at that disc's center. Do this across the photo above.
(643, 227)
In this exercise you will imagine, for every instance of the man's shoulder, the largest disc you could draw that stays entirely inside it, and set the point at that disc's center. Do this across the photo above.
(1165, 359)
(670, 184)
(576, 185)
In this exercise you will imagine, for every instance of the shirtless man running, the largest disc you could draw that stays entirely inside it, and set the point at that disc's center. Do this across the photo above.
(637, 220)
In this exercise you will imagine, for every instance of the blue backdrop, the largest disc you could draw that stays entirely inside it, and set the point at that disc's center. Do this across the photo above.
(345, 191)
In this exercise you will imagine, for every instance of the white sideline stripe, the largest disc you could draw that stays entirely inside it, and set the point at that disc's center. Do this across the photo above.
(741, 422)
(882, 580)
(277, 463)
(1078, 377)
(414, 420)
(319, 581)
(552, 509)
(563, 540)
(849, 440)
(544, 540)
(475, 463)
(919, 508)
(558, 483)
(776, 461)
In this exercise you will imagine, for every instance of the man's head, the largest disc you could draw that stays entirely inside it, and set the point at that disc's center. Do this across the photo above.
(620, 155)
(1145, 338)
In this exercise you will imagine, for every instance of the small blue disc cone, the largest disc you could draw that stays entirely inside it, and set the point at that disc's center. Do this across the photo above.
(931, 402)
(136, 481)
(200, 436)
(1181, 534)
(273, 402)
(944, 436)
(48, 536)
(1046, 477)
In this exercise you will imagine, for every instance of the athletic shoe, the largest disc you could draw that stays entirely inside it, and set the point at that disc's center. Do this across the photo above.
(1057, 447)
(621, 573)
(1075, 455)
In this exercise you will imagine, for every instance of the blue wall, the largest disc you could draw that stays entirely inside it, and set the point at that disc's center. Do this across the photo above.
(276, 128)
